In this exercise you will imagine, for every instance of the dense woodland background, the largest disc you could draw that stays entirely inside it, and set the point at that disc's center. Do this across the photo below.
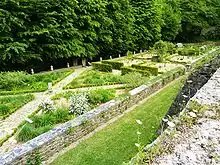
(37, 33)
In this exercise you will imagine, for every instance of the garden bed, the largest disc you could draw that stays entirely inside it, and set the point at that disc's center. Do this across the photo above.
(9, 104)
(94, 78)
(43, 121)
(21, 82)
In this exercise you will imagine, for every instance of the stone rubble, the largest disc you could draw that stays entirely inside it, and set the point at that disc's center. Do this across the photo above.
(199, 145)
(209, 94)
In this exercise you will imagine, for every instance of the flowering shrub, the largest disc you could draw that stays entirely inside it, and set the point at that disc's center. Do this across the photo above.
(79, 104)
(47, 106)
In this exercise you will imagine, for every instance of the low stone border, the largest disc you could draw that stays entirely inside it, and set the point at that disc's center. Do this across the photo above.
(53, 141)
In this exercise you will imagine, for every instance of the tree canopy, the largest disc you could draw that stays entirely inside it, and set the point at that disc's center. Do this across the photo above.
(53, 29)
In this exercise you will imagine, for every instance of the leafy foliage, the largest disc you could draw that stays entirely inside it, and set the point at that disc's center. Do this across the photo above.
(9, 104)
(94, 78)
(46, 30)
(42, 123)
(21, 82)
(47, 106)
(79, 104)
(101, 95)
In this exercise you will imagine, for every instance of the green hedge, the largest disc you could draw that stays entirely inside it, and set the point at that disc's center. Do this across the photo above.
(174, 73)
(126, 70)
(153, 70)
(102, 67)
(192, 51)
(115, 64)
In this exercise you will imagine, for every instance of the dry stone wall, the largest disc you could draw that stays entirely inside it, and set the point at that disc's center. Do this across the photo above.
(44, 146)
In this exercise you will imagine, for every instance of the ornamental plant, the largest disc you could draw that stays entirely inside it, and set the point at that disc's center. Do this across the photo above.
(47, 106)
(161, 50)
(79, 104)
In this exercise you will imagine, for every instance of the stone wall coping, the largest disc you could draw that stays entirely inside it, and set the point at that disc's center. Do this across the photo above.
(138, 90)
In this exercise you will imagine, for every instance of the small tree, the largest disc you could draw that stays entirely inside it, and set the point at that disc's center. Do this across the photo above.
(161, 49)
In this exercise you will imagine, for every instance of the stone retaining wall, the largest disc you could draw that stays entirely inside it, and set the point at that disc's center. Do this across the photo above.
(44, 146)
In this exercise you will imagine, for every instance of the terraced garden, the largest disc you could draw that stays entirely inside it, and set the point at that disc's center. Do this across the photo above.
(86, 91)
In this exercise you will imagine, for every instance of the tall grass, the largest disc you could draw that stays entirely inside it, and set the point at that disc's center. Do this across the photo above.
(9, 104)
(21, 82)
(42, 123)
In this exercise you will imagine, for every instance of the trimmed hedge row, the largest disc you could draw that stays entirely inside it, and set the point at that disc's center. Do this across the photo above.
(189, 51)
(115, 64)
(151, 69)
(173, 74)
(127, 69)
(102, 67)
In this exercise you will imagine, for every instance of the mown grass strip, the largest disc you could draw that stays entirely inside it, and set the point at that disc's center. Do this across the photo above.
(116, 143)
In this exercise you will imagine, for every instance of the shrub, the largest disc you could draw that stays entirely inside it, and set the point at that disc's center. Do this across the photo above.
(153, 70)
(4, 110)
(126, 70)
(62, 115)
(43, 120)
(134, 79)
(102, 67)
(171, 48)
(10, 80)
(115, 64)
(163, 49)
(79, 104)
(189, 51)
(101, 95)
(42, 123)
(47, 106)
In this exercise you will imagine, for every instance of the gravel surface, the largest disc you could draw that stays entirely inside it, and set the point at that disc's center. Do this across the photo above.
(200, 144)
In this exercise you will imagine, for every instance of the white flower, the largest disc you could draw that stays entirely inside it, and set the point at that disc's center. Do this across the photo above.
(137, 145)
(139, 133)
(139, 122)
(171, 124)
(79, 104)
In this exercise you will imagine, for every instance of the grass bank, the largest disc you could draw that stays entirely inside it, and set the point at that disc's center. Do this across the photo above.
(116, 143)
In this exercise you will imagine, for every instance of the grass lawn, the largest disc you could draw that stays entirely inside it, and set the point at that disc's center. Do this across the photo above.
(9, 104)
(116, 143)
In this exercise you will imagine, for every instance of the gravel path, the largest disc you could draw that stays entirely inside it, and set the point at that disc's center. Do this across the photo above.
(8, 125)
(199, 145)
